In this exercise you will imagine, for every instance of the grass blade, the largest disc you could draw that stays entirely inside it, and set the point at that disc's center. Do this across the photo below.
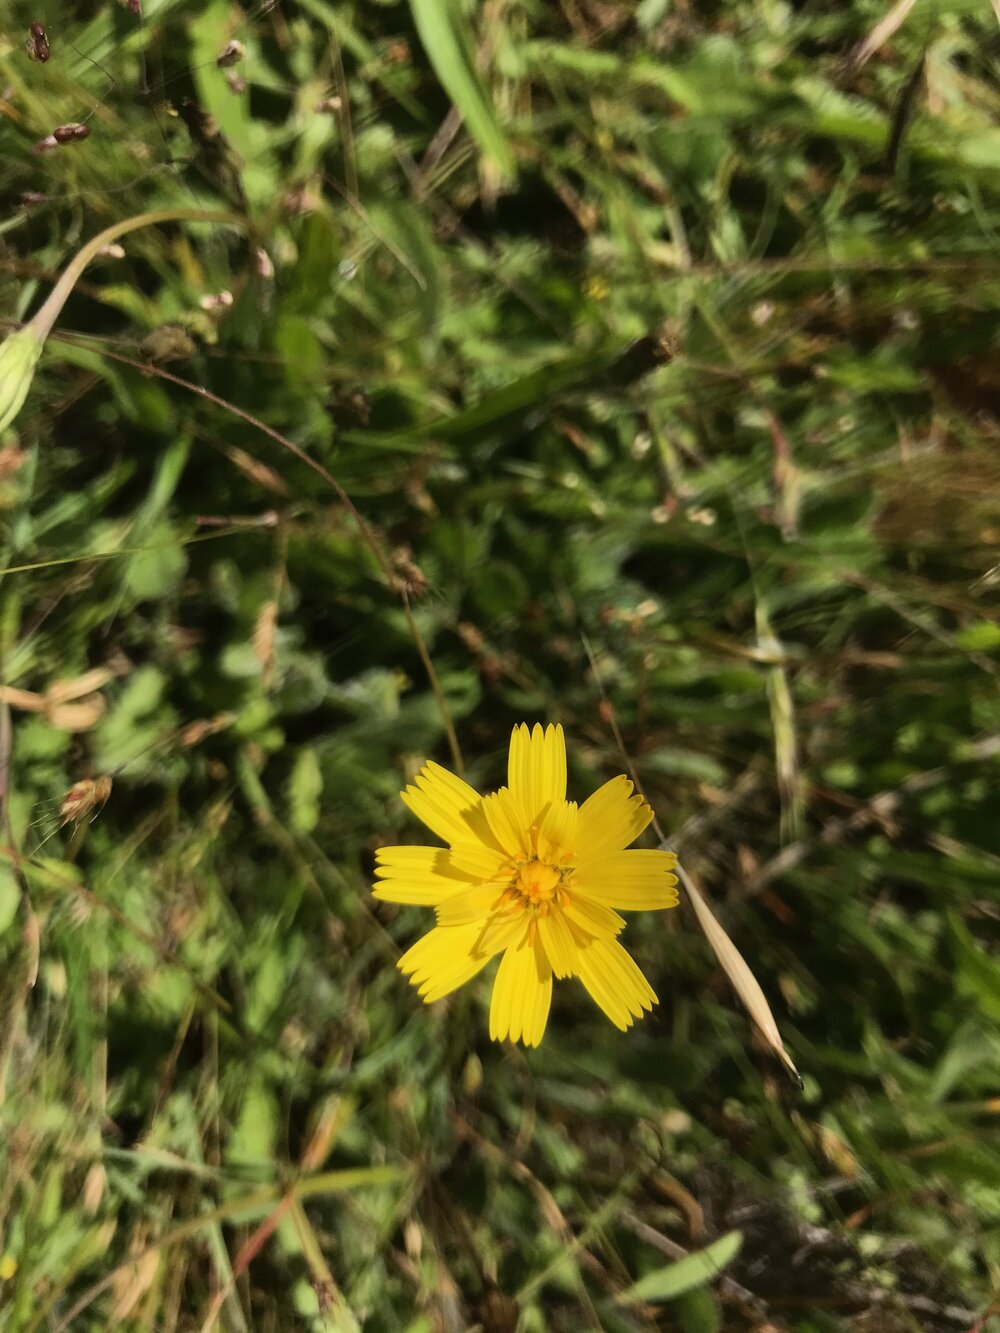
(447, 39)
(695, 1270)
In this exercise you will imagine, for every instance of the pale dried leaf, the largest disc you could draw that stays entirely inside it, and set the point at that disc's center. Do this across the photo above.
(26, 700)
(94, 1185)
(33, 945)
(264, 636)
(738, 972)
(63, 691)
(132, 1283)
(77, 716)
(257, 471)
(883, 31)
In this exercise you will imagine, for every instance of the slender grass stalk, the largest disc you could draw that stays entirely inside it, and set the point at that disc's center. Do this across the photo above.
(21, 351)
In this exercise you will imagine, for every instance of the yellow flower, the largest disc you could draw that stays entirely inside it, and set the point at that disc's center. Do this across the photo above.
(529, 875)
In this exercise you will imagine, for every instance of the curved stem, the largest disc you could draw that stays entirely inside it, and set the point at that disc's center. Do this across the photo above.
(42, 323)
(46, 317)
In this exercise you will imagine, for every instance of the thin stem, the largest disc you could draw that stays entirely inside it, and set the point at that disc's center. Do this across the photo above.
(367, 534)
(46, 317)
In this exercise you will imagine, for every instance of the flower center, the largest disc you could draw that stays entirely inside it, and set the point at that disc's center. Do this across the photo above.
(537, 881)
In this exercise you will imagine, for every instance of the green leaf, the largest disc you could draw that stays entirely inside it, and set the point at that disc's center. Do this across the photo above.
(686, 763)
(447, 39)
(256, 1130)
(694, 1270)
(304, 790)
(155, 571)
(500, 589)
(981, 637)
(697, 1312)
(972, 1050)
(505, 408)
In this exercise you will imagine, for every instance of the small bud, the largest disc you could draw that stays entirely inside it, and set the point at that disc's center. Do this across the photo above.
(19, 355)
(216, 301)
(231, 54)
(263, 264)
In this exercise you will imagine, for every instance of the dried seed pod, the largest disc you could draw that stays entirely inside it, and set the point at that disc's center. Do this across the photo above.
(71, 133)
(37, 45)
(29, 198)
(46, 145)
(409, 578)
(82, 797)
(235, 84)
(195, 732)
(231, 54)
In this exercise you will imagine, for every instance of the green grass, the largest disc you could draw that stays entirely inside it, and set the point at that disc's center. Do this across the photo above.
(664, 404)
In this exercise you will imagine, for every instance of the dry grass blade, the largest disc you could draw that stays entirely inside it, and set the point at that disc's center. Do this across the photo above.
(737, 970)
(887, 26)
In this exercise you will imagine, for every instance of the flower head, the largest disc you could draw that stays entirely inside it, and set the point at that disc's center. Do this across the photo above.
(532, 876)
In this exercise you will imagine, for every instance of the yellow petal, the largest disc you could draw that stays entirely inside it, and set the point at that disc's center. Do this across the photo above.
(422, 875)
(592, 918)
(473, 904)
(444, 959)
(611, 819)
(536, 769)
(614, 981)
(442, 801)
(522, 993)
(557, 833)
(504, 818)
(558, 942)
(478, 862)
(635, 881)
(504, 928)
(479, 833)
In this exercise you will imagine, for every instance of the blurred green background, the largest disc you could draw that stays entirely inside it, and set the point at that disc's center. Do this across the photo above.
(656, 345)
